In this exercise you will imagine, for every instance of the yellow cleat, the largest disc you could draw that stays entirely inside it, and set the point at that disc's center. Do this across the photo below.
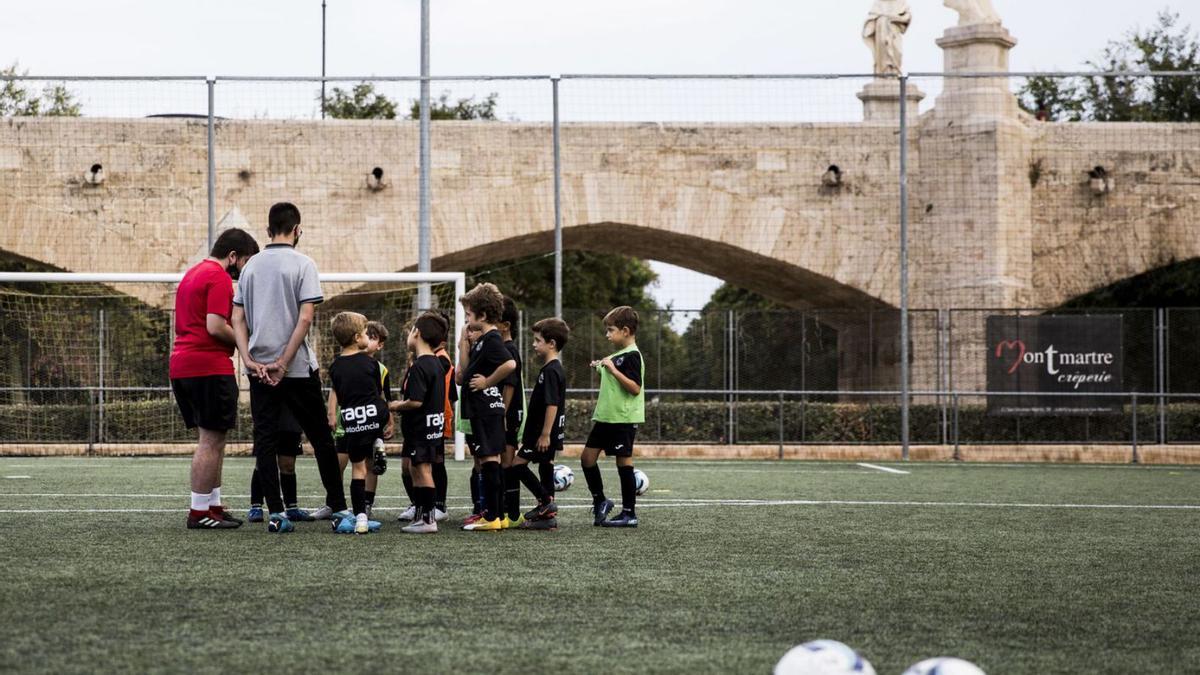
(505, 523)
(485, 526)
(515, 523)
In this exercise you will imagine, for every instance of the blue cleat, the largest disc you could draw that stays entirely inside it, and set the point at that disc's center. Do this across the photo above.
(280, 524)
(344, 525)
(255, 514)
(600, 512)
(300, 515)
(374, 525)
(340, 515)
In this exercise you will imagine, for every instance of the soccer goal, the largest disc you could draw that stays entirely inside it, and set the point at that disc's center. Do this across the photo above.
(83, 356)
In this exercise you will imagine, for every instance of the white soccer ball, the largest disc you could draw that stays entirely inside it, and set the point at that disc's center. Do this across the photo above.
(944, 665)
(641, 482)
(564, 477)
(822, 657)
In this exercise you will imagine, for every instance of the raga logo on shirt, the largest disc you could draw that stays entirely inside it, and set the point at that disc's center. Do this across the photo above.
(437, 421)
(359, 414)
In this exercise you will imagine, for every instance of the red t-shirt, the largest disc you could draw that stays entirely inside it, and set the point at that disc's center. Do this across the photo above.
(205, 289)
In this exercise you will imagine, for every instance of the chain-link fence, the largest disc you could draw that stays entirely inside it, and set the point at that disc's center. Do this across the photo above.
(824, 195)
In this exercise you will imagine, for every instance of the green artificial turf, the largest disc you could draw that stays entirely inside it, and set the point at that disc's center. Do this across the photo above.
(904, 567)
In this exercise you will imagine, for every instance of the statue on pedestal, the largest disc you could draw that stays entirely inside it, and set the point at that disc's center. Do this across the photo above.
(884, 34)
(972, 12)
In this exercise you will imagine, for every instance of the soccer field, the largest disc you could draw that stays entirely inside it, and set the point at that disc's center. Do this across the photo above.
(1017, 568)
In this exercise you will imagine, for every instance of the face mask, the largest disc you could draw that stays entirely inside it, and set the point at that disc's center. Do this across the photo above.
(233, 271)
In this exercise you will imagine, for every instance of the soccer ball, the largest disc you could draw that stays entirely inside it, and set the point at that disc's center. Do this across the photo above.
(563, 477)
(944, 665)
(822, 657)
(641, 482)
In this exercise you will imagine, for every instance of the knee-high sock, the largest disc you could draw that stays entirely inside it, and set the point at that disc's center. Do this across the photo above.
(426, 496)
(493, 490)
(512, 493)
(531, 482)
(546, 473)
(287, 485)
(358, 495)
(256, 491)
(628, 488)
(476, 490)
(595, 483)
(406, 478)
(439, 486)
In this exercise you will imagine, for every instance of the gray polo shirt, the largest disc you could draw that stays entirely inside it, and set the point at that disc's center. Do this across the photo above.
(271, 289)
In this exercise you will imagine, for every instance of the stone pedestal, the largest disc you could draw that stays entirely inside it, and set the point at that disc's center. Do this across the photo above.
(979, 48)
(881, 101)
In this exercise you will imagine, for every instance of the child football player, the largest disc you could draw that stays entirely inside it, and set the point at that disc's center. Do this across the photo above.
(544, 424)
(357, 399)
(423, 416)
(289, 448)
(440, 480)
(620, 408)
(514, 413)
(377, 335)
(481, 370)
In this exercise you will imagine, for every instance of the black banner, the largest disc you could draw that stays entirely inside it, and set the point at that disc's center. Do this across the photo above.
(1054, 354)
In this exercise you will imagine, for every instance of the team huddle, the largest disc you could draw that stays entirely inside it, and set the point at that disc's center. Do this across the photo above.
(267, 313)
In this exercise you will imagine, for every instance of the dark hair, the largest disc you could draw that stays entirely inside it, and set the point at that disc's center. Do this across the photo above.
(283, 219)
(234, 240)
(509, 314)
(622, 317)
(485, 302)
(432, 328)
(445, 317)
(553, 330)
(377, 330)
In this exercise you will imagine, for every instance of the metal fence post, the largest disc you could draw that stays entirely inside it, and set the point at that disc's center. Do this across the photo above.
(424, 204)
(100, 382)
(957, 451)
(780, 426)
(904, 388)
(558, 236)
(1161, 371)
(212, 166)
(1135, 427)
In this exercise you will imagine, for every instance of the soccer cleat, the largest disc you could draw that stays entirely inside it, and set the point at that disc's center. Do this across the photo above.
(543, 512)
(622, 519)
(439, 515)
(408, 514)
(300, 515)
(323, 513)
(421, 527)
(484, 525)
(279, 523)
(540, 524)
(341, 515)
(344, 525)
(514, 523)
(255, 514)
(361, 526)
(379, 459)
(221, 513)
(472, 519)
(207, 522)
(600, 511)
(505, 523)
(374, 525)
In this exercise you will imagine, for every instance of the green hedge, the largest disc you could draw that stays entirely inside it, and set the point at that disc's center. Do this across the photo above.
(669, 421)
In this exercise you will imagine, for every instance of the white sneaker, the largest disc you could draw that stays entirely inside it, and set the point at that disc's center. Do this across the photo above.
(408, 514)
(420, 527)
(439, 515)
(361, 526)
(323, 513)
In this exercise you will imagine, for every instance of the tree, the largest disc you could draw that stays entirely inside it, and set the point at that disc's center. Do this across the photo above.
(462, 109)
(17, 101)
(362, 102)
(591, 281)
(1165, 47)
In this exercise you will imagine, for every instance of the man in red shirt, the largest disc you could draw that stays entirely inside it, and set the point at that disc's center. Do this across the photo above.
(202, 368)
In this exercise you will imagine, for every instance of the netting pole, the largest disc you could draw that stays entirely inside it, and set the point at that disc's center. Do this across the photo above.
(423, 294)
(100, 380)
(904, 388)
(1161, 343)
(460, 289)
(323, 103)
(558, 238)
(212, 169)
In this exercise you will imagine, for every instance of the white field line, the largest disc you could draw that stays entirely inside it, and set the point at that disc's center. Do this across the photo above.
(15, 477)
(882, 468)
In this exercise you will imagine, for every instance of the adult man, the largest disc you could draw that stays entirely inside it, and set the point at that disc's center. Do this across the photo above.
(273, 307)
(201, 369)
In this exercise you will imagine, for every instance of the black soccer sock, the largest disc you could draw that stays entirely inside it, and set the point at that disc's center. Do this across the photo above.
(256, 491)
(287, 485)
(358, 495)
(439, 486)
(595, 483)
(546, 473)
(477, 490)
(512, 493)
(531, 482)
(628, 488)
(426, 495)
(406, 478)
(493, 490)
(370, 497)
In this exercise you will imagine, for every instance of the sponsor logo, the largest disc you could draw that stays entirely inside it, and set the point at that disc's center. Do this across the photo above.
(359, 414)
(435, 420)
(1066, 368)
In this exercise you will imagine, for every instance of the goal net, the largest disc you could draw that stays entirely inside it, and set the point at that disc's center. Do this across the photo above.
(84, 357)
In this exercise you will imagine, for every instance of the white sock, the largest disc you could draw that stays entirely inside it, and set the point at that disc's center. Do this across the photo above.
(199, 501)
(214, 499)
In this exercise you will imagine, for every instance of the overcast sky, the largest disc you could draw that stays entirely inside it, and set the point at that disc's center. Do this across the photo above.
(490, 37)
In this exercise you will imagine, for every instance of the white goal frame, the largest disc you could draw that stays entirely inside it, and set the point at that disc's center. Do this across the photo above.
(459, 279)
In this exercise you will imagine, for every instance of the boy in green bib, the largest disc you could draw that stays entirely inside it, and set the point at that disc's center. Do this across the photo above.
(620, 408)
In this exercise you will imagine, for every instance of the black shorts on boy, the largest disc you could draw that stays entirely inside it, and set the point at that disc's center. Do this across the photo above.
(616, 440)
(208, 402)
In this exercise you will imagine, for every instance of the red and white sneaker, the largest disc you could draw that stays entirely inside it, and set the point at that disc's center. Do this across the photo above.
(203, 520)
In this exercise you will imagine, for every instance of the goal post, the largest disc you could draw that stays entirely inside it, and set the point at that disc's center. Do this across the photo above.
(40, 320)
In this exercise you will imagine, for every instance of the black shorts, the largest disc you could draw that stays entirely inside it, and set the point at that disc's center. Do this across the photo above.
(289, 444)
(616, 440)
(535, 456)
(208, 402)
(424, 453)
(360, 447)
(487, 436)
(510, 437)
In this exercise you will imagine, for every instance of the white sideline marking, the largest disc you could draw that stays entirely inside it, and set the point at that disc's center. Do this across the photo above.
(882, 468)
(13, 477)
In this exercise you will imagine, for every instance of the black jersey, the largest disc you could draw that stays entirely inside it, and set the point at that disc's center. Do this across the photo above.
(551, 389)
(516, 408)
(424, 382)
(487, 355)
(357, 383)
